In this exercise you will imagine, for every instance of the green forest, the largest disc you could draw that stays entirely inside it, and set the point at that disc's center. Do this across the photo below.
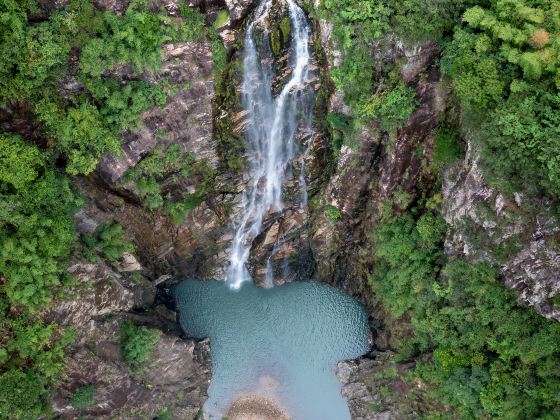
(482, 353)
(38, 49)
(490, 357)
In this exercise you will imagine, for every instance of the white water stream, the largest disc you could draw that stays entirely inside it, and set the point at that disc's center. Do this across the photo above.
(272, 128)
(279, 343)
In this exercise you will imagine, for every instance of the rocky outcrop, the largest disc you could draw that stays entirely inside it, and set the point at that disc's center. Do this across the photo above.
(239, 9)
(175, 376)
(518, 234)
(186, 118)
(373, 389)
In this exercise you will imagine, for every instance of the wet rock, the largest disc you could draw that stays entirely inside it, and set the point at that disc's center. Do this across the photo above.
(336, 242)
(418, 58)
(84, 223)
(402, 167)
(128, 263)
(238, 9)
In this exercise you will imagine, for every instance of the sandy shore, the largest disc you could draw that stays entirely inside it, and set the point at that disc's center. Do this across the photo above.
(254, 407)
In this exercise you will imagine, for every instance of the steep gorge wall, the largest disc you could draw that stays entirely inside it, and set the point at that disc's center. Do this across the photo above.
(305, 242)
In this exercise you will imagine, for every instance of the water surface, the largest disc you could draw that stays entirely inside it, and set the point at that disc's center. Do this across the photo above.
(282, 343)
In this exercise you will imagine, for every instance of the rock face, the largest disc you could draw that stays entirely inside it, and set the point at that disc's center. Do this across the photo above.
(186, 118)
(371, 387)
(518, 234)
(377, 168)
(175, 376)
(238, 9)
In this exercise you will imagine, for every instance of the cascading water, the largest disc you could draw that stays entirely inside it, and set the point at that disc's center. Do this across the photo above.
(279, 343)
(273, 125)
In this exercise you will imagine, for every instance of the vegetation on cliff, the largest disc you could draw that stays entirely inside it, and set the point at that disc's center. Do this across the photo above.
(482, 353)
(490, 356)
(501, 57)
(79, 75)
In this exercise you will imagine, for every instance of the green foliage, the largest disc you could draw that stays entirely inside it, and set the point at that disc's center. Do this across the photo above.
(221, 19)
(36, 228)
(193, 28)
(31, 359)
(80, 134)
(522, 139)
(135, 37)
(110, 241)
(392, 108)
(491, 357)
(333, 213)
(83, 397)
(178, 210)
(138, 343)
(495, 350)
(170, 163)
(448, 149)
(18, 161)
(32, 55)
(164, 414)
(21, 395)
(219, 56)
(342, 128)
(33, 341)
(504, 67)
(408, 254)
(358, 24)
(154, 168)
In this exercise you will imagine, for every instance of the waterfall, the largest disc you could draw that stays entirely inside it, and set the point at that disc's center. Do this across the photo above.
(272, 128)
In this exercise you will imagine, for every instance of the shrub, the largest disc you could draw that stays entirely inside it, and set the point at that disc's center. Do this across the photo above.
(18, 161)
(180, 209)
(80, 133)
(110, 241)
(21, 395)
(83, 397)
(138, 343)
(161, 164)
(392, 108)
(333, 213)
(341, 126)
(448, 149)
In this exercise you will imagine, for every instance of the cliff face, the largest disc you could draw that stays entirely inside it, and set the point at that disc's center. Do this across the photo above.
(518, 234)
(300, 243)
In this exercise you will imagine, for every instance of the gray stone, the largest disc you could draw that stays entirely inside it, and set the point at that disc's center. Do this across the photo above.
(534, 269)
